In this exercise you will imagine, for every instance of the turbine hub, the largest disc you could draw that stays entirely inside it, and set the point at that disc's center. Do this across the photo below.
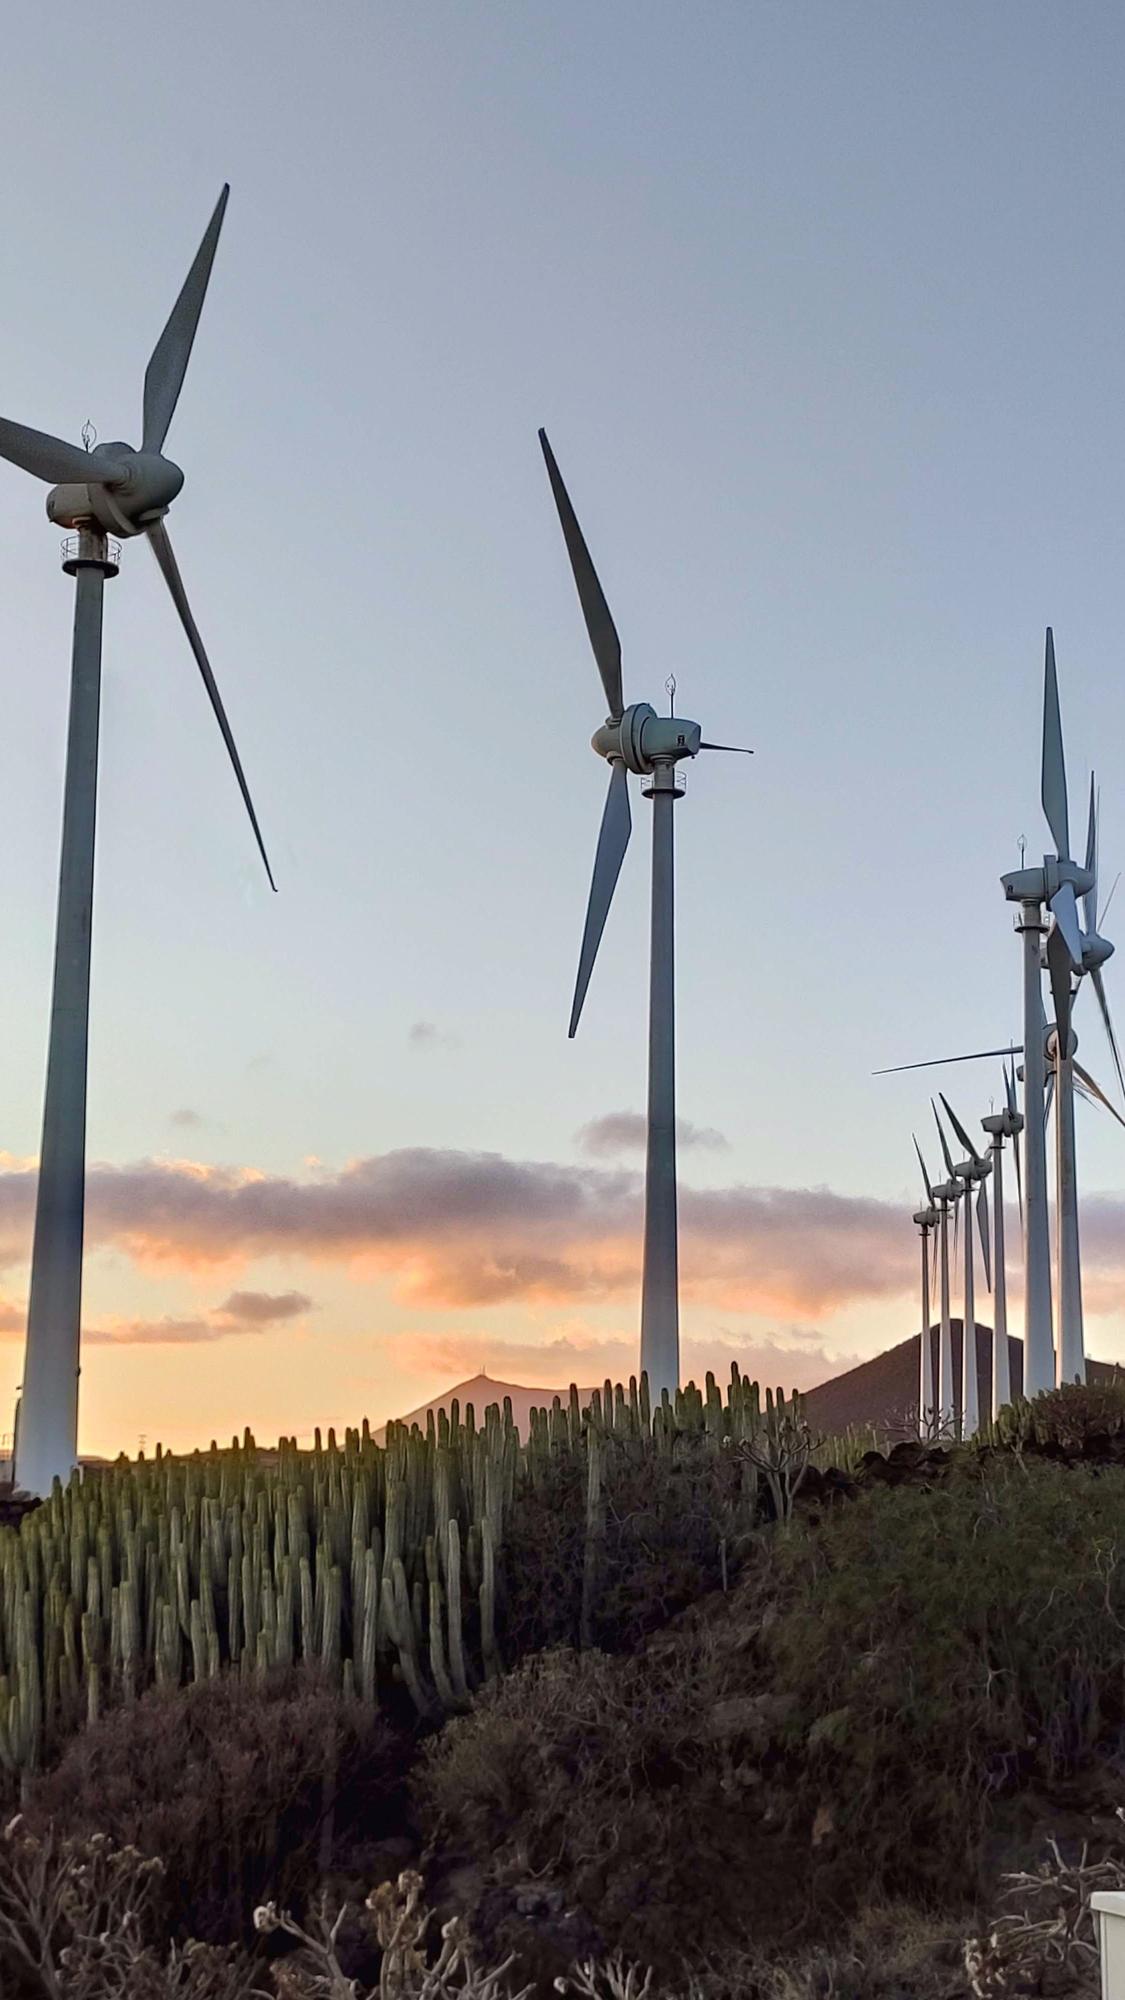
(1053, 1042)
(643, 739)
(144, 487)
(1095, 950)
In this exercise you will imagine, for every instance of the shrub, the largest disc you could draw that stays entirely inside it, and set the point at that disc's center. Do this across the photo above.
(672, 1527)
(588, 1793)
(838, 1728)
(1073, 1415)
(939, 1648)
(240, 1787)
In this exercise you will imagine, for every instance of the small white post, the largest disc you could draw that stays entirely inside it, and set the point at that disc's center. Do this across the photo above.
(1108, 1906)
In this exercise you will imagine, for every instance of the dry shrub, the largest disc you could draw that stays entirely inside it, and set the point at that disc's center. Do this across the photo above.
(587, 1793)
(888, 1951)
(1044, 1938)
(414, 1965)
(79, 1920)
(240, 1787)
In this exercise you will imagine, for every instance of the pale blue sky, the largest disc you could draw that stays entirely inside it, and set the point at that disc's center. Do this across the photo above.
(822, 306)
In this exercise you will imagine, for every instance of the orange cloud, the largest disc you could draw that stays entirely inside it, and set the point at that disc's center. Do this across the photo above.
(459, 1229)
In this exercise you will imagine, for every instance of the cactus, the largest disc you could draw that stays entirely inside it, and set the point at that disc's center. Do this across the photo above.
(380, 1564)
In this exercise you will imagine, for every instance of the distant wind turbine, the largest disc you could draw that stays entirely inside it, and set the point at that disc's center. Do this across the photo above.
(1001, 1125)
(972, 1171)
(112, 490)
(927, 1218)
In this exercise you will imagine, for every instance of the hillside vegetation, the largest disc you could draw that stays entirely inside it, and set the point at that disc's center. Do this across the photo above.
(676, 1690)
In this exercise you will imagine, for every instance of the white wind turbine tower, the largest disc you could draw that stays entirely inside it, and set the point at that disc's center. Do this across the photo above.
(1001, 1125)
(120, 491)
(1055, 886)
(946, 1196)
(973, 1170)
(927, 1218)
(636, 739)
(1070, 953)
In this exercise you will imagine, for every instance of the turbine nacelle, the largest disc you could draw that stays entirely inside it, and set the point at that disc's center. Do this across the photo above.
(1003, 1124)
(927, 1218)
(135, 489)
(642, 739)
(949, 1191)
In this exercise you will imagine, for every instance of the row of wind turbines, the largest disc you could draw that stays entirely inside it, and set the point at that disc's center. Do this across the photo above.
(117, 490)
(1068, 951)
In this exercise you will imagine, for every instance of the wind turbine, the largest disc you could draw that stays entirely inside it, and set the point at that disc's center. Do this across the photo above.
(1055, 886)
(928, 1218)
(946, 1195)
(1001, 1125)
(972, 1171)
(112, 490)
(637, 739)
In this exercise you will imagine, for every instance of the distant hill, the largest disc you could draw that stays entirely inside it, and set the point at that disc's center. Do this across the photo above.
(482, 1390)
(882, 1392)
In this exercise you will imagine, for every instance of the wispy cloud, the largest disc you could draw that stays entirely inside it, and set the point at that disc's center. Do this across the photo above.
(427, 1035)
(185, 1118)
(242, 1312)
(554, 1364)
(627, 1132)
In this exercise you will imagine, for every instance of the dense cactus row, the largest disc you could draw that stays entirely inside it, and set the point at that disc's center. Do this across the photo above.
(380, 1563)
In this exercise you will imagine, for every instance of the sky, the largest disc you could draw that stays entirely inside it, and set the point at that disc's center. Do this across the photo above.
(822, 308)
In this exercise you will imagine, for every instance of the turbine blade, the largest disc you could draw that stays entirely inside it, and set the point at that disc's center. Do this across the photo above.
(1048, 1097)
(1095, 1092)
(1090, 896)
(944, 1143)
(162, 549)
(1064, 908)
(595, 610)
(926, 1182)
(52, 459)
(1010, 1087)
(936, 1062)
(613, 839)
(1109, 898)
(735, 749)
(164, 376)
(1054, 763)
(1017, 1154)
(956, 1225)
(959, 1128)
(1059, 967)
(982, 1231)
(1099, 989)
